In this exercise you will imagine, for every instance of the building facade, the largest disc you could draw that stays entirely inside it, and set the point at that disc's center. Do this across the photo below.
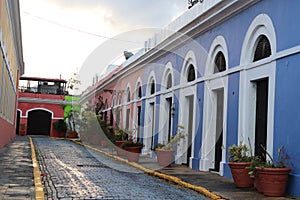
(12, 67)
(40, 104)
(227, 71)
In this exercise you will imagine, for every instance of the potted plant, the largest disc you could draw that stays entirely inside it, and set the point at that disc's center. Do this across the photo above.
(256, 162)
(71, 124)
(121, 136)
(273, 176)
(103, 132)
(110, 135)
(239, 162)
(134, 149)
(165, 153)
(61, 127)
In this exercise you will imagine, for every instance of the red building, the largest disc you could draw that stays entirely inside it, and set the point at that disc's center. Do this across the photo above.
(40, 104)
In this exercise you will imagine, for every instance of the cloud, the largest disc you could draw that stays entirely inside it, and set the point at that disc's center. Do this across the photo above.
(55, 32)
(140, 14)
(123, 15)
(71, 4)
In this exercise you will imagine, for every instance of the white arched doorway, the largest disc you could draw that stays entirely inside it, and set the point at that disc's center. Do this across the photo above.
(257, 85)
(215, 108)
(166, 105)
(187, 104)
(150, 122)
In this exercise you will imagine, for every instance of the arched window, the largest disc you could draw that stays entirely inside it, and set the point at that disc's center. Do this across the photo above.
(106, 104)
(139, 92)
(112, 101)
(263, 49)
(128, 95)
(191, 73)
(119, 99)
(169, 81)
(220, 63)
(152, 87)
(105, 112)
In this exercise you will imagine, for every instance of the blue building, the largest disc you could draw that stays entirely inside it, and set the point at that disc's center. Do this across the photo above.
(226, 70)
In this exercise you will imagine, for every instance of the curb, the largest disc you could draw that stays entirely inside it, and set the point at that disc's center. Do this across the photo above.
(170, 178)
(39, 189)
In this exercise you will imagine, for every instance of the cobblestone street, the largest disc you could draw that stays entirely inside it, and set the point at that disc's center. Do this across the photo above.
(71, 171)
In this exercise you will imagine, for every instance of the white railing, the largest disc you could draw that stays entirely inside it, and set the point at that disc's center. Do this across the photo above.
(181, 21)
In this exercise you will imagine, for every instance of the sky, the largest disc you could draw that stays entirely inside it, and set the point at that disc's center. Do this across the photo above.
(61, 37)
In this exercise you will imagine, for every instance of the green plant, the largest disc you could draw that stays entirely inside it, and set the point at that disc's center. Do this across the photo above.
(159, 146)
(99, 105)
(73, 81)
(256, 161)
(90, 128)
(174, 139)
(240, 153)
(72, 118)
(259, 162)
(281, 158)
(121, 134)
(60, 125)
(132, 144)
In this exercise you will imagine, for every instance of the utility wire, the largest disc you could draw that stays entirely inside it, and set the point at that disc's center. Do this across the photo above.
(78, 30)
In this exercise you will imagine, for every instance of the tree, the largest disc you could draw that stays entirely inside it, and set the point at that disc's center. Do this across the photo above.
(73, 81)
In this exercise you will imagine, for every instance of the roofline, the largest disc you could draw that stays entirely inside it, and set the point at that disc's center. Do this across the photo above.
(211, 18)
(42, 79)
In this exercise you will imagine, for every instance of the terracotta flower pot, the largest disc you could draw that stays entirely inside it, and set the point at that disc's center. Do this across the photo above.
(241, 174)
(164, 157)
(61, 134)
(72, 134)
(273, 181)
(133, 154)
(119, 149)
(257, 183)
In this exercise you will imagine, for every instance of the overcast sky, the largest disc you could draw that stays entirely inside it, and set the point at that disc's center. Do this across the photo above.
(59, 35)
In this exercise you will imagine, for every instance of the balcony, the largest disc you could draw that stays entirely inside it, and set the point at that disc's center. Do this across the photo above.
(42, 86)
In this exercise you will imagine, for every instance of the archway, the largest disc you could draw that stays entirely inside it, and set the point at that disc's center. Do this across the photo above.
(257, 96)
(188, 108)
(213, 155)
(39, 122)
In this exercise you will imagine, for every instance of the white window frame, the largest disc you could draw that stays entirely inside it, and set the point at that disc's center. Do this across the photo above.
(251, 71)
(213, 83)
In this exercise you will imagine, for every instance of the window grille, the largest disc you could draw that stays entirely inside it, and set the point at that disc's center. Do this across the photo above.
(263, 49)
(191, 73)
(220, 63)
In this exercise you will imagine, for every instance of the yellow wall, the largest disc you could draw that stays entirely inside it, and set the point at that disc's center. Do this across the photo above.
(8, 67)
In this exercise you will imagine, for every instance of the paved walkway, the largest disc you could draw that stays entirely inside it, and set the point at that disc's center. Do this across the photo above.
(214, 183)
(16, 178)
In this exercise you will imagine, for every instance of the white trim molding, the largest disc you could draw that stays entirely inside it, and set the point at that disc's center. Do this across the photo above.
(164, 105)
(187, 91)
(261, 25)
(212, 86)
(44, 109)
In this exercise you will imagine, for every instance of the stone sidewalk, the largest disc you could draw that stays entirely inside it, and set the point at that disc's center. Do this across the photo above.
(16, 179)
(214, 183)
